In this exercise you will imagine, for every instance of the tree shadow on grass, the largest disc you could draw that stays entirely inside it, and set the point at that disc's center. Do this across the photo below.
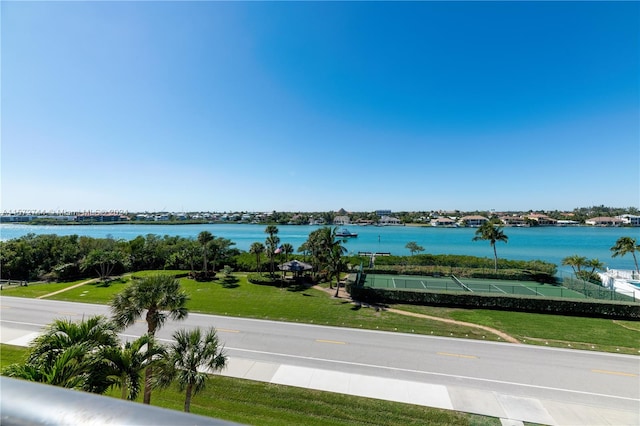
(108, 282)
(230, 282)
(298, 287)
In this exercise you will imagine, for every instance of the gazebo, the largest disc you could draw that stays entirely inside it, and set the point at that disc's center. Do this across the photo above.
(295, 266)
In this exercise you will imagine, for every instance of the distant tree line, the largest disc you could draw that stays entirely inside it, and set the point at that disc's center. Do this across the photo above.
(56, 258)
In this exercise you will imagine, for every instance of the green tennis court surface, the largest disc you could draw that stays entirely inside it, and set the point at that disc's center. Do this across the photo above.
(475, 285)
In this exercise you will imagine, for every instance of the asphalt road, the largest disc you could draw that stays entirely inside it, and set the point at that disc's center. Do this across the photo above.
(580, 378)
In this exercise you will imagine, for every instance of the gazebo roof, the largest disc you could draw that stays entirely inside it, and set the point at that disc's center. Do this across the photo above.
(295, 266)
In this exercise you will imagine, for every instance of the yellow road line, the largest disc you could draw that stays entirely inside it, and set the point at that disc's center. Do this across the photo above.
(615, 373)
(330, 341)
(457, 355)
(227, 330)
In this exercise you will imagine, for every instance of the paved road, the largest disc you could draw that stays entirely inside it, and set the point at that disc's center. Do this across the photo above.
(514, 382)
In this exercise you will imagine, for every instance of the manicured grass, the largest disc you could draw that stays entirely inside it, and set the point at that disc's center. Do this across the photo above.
(37, 289)
(10, 354)
(550, 330)
(258, 403)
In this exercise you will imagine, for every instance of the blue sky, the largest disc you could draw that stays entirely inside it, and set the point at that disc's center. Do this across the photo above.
(297, 106)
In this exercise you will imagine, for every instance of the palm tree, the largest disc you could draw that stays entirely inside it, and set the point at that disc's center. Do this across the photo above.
(626, 245)
(96, 331)
(162, 298)
(492, 233)
(66, 354)
(204, 238)
(594, 264)
(336, 262)
(72, 368)
(257, 249)
(219, 246)
(272, 242)
(190, 252)
(287, 249)
(576, 262)
(125, 365)
(414, 248)
(304, 249)
(188, 356)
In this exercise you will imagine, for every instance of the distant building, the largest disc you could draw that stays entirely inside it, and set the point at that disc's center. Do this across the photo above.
(389, 220)
(473, 221)
(629, 219)
(101, 217)
(541, 219)
(604, 221)
(444, 222)
(567, 223)
(381, 213)
(513, 220)
(341, 220)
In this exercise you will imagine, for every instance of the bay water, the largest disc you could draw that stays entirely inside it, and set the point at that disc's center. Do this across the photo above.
(550, 244)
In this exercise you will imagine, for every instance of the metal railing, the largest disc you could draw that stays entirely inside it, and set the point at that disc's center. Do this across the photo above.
(29, 403)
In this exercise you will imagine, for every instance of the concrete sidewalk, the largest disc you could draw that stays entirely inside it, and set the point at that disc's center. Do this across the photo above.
(512, 410)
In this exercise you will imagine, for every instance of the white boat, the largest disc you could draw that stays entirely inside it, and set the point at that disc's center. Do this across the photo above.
(345, 233)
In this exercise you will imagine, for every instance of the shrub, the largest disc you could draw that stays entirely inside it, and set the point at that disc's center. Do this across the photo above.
(601, 309)
(263, 279)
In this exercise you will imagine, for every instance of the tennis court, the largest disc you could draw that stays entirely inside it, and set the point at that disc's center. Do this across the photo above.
(474, 285)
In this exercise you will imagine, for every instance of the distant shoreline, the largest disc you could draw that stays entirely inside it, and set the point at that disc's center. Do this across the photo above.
(178, 223)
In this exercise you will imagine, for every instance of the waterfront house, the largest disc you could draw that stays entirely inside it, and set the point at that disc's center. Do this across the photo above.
(604, 221)
(444, 222)
(541, 219)
(629, 219)
(513, 220)
(473, 221)
(389, 220)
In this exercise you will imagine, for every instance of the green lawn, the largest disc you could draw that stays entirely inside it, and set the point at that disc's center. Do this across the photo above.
(599, 334)
(259, 403)
(237, 297)
(37, 289)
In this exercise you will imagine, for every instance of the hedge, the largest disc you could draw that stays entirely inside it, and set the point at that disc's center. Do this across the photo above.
(463, 261)
(573, 307)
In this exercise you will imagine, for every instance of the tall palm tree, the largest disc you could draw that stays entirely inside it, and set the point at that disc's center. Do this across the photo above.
(336, 262)
(492, 233)
(626, 245)
(188, 356)
(126, 364)
(576, 262)
(594, 264)
(272, 242)
(257, 249)
(204, 238)
(162, 298)
(287, 250)
(219, 247)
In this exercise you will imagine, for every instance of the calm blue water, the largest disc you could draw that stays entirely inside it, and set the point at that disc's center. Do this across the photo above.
(550, 244)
